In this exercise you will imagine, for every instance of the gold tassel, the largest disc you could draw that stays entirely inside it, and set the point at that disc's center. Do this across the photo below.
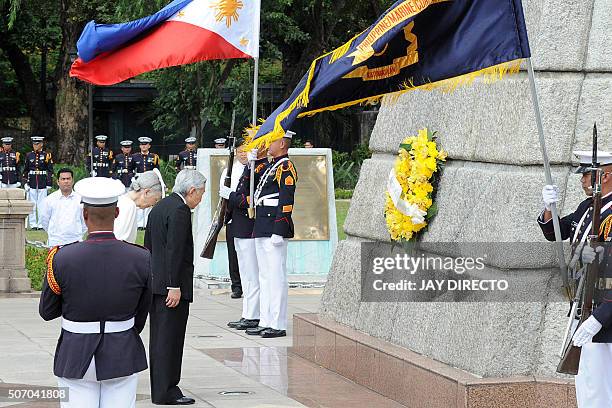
(490, 75)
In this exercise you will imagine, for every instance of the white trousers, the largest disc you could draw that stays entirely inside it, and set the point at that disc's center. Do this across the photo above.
(91, 393)
(249, 277)
(273, 285)
(142, 216)
(593, 382)
(4, 185)
(36, 196)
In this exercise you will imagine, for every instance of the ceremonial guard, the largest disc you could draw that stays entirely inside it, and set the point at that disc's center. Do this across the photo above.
(594, 336)
(187, 158)
(38, 178)
(10, 162)
(123, 164)
(141, 162)
(273, 227)
(242, 225)
(101, 288)
(220, 143)
(102, 159)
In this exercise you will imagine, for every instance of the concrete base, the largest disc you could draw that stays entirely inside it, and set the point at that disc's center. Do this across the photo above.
(20, 283)
(415, 380)
(14, 208)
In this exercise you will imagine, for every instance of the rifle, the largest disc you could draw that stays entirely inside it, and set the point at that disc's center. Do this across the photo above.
(571, 356)
(219, 218)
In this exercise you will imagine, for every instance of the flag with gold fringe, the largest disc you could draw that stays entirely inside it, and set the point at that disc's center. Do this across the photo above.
(415, 44)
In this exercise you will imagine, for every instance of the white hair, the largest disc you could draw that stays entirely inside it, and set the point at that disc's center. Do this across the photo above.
(188, 178)
(148, 180)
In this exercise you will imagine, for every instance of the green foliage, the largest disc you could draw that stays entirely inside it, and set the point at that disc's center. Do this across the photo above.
(348, 165)
(36, 265)
(168, 172)
(343, 194)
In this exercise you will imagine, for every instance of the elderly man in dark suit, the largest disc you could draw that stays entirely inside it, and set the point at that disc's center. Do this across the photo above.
(170, 240)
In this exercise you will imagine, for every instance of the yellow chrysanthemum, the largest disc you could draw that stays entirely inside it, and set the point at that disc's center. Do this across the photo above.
(414, 169)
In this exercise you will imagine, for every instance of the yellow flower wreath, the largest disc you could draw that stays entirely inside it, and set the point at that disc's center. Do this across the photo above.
(419, 158)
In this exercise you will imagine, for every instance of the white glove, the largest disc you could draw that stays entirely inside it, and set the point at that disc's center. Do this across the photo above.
(586, 331)
(18, 184)
(225, 192)
(252, 155)
(26, 187)
(276, 240)
(93, 173)
(588, 254)
(48, 188)
(550, 195)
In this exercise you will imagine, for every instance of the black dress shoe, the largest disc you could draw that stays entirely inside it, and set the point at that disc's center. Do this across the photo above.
(236, 323)
(182, 401)
(255, 331)
(236, 294)
(247, 324)
(269, 333)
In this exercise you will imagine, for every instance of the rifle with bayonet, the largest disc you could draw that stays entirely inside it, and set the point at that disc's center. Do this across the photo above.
(219, 218)
(570, 359)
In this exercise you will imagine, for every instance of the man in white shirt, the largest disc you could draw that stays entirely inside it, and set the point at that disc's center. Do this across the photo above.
(62, 212)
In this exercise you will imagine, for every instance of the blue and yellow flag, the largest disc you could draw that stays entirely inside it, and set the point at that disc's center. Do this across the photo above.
(415, 44)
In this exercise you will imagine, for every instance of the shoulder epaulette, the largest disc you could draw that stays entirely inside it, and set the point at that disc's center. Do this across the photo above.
(53, 285)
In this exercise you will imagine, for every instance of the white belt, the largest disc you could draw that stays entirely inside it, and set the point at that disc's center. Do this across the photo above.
(94, 327)
(7, 169)
(269, 202)
(38, 172)
(100, 164)
(190, 167)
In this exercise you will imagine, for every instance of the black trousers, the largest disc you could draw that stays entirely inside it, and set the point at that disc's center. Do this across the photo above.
(167, 338)
(234, 271)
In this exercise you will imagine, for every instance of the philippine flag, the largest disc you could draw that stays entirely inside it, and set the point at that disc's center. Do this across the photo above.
(183, 32)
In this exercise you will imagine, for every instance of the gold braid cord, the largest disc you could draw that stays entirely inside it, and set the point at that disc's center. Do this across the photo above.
(605, 227)
(50, 274)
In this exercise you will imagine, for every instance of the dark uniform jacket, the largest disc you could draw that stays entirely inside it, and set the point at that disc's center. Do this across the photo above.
(121, 169)
(187, 159)
(100, 279)
(10, 163)
(239, 201)
(276, 183)
(102, 161)
(144, 162)
(574, 226)
(169, 238)
(38, 170)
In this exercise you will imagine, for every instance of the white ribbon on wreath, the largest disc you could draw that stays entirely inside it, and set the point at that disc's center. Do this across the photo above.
(410, 210)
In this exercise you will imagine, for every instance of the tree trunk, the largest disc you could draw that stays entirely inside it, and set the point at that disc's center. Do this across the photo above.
(41, 119)
(70, 100)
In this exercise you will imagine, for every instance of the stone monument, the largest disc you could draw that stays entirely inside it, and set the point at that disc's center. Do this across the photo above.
(14, 208)
(474, 354)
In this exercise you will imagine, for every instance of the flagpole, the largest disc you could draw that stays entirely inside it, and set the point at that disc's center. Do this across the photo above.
(252, 180)
(548, 175)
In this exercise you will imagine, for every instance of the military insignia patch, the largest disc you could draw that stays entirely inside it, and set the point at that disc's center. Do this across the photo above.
(289, 181)
(287, 208)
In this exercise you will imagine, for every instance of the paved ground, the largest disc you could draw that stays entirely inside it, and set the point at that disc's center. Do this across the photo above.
(216, 359)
